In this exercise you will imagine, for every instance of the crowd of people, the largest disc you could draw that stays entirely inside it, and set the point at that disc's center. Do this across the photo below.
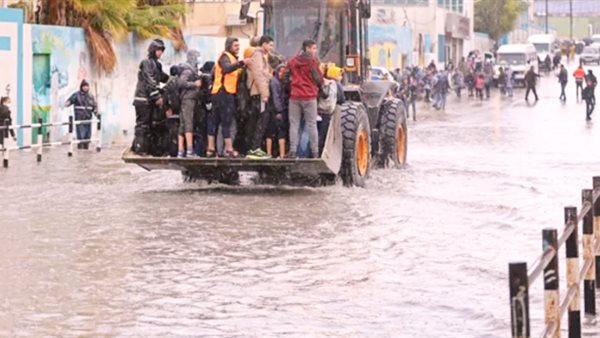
(260, 105)
(476, 77)
(471, 75)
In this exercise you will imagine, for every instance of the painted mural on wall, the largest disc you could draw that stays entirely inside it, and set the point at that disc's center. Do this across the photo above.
(69, 63)
(390, 46)
(59, 58)
(390, 41)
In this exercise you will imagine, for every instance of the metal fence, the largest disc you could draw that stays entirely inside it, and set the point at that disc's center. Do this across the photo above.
(40, 145)
(521, 277)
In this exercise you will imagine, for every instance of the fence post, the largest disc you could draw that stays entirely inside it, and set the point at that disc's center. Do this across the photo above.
(596, 208)
(4, 136)
(99, 130)
(551, 290)
(573, 273)
(589, 282)
(5, 133)
(70, 136)
(519, 299)
(40, 141)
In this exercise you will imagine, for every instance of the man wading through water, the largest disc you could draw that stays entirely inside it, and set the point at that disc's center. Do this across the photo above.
(84, 107)
(530, 81)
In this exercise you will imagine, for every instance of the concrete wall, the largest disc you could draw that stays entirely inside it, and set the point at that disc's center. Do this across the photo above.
(35, 96)
(11, 60)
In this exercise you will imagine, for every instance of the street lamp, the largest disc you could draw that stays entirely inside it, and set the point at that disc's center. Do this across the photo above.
(546, 16)
(571, 19)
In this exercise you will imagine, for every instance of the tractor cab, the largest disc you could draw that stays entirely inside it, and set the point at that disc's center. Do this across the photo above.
(339, 27)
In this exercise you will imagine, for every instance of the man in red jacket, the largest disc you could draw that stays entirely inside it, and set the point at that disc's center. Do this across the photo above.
(307, 78)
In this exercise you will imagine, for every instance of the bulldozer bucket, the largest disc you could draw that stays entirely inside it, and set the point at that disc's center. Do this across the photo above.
(209, 168)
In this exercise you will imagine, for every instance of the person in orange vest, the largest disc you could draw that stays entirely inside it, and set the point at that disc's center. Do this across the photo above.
(579, 75)
(227, 71)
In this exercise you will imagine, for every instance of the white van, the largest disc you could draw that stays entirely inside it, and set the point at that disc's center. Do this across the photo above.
(596, 38)
(544, 45)
(519, 57)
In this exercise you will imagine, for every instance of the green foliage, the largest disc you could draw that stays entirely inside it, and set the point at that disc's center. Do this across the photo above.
(151, 21)
(104, 20)
(497, 17)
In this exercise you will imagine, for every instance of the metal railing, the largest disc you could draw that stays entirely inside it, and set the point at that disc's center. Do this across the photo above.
(521, 277)
(40, 145)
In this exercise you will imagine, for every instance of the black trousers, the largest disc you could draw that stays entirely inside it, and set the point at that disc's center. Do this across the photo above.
(589, 107)
(531, 88)
(579, 88)
(258, 122)
(143, 121)
(323, 127)
(563, 96)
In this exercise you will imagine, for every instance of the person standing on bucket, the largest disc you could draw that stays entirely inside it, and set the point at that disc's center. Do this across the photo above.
(259, 77)
(148, 96)
(84, 106)
(307, 78)
(224, 90)
(189, 89)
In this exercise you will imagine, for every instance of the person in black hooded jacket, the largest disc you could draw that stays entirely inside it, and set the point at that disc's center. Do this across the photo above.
(148, 95)
(5, 115)
(84, 106)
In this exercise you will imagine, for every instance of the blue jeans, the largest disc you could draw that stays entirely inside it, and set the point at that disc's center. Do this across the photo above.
(323, 127)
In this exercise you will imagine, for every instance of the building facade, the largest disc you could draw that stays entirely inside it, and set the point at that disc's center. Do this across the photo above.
(440, 30)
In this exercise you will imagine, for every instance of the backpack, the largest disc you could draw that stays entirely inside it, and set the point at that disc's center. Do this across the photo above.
(326, 105)
(173, 95)
(243, 94)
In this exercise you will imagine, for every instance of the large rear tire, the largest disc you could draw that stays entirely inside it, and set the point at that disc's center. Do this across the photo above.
(394, 134)
(356, 133)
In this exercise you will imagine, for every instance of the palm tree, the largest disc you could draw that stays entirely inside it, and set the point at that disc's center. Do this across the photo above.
(106, 20)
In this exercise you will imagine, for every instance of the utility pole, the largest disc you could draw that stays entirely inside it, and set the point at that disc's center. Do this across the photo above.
(571, 19)
(546, 16)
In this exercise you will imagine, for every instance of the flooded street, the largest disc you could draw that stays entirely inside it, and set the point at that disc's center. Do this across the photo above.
(90, 246)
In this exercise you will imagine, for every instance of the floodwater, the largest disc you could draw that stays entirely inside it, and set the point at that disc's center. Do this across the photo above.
(90, 246)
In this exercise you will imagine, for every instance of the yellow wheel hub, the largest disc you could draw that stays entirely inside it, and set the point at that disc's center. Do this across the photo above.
(400, 144)
(362, 152)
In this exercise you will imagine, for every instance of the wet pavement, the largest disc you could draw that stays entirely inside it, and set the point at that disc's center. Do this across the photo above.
(90, 246)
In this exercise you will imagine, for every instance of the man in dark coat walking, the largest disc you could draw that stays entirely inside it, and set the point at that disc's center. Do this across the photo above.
(530, 81)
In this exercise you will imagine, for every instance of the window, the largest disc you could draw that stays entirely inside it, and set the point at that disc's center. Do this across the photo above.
(402, 2)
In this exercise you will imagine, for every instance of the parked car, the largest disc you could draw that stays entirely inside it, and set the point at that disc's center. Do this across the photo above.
(379, 73)
(590, 54)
